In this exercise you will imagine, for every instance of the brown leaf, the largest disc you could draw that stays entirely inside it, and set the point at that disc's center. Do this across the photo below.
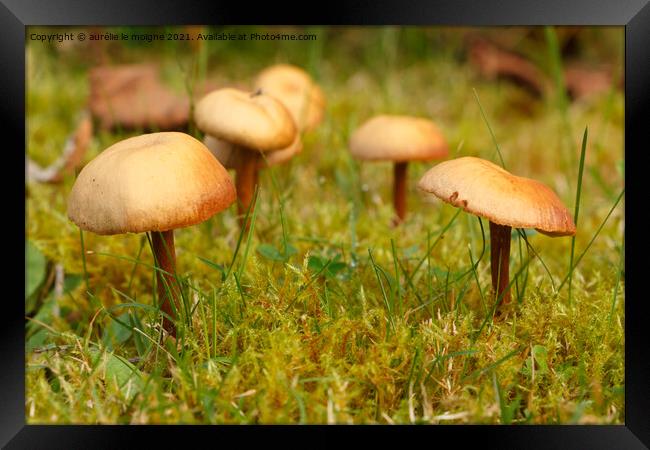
(582, 81)
(75, 148)
(133, 97)
(502, 37)
(493, 62)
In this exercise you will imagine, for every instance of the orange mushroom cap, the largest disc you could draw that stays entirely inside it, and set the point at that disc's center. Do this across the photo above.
(484, 189)
(152, 182)
(398, 138)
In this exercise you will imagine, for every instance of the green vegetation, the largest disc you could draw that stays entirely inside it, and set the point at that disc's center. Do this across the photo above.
(326, 313)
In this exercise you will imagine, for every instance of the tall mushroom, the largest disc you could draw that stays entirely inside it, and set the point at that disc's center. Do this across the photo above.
(297, 91)
(399, 139)
(154, 182)
(486, 190)
(253, 123)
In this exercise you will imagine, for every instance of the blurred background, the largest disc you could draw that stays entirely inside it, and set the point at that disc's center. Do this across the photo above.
(521, 75)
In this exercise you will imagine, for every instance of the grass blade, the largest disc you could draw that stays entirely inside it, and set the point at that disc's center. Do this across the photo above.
(424, 258)
(495, 364)
(618, 199)
(398, 289)
(619, 271)
(83, 258)
(530, 248)
(494, 139)
(135, 264)
(383, 291)
(577, 208)
(242, 263)
(499, 299)
(555, 62)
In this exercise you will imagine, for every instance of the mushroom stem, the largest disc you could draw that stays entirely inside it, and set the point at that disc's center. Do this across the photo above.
(500, 259)
(399, 191)
(165, 259)
(245, 183)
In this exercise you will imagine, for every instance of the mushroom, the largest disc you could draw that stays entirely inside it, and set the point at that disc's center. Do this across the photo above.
(399, 139)
(228, 155)
(253, 123)
(297, 91)
(507, 201)
(152, 183)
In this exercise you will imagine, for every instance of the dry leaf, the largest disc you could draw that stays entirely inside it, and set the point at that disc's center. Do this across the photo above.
(582, 81)
(493, 62)
(133, 97)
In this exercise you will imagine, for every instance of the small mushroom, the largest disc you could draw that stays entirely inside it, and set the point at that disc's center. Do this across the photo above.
(253, 123)
(154, 182)
(399, 139)
(228, 155)
(297, 91)
(507, 201)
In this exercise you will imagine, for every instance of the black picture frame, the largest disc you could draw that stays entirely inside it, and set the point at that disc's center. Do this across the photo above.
(634, 15)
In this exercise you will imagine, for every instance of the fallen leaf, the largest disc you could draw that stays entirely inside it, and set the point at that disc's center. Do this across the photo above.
(133, 97)
(582, 81)
(493, 63)
(502, 37)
